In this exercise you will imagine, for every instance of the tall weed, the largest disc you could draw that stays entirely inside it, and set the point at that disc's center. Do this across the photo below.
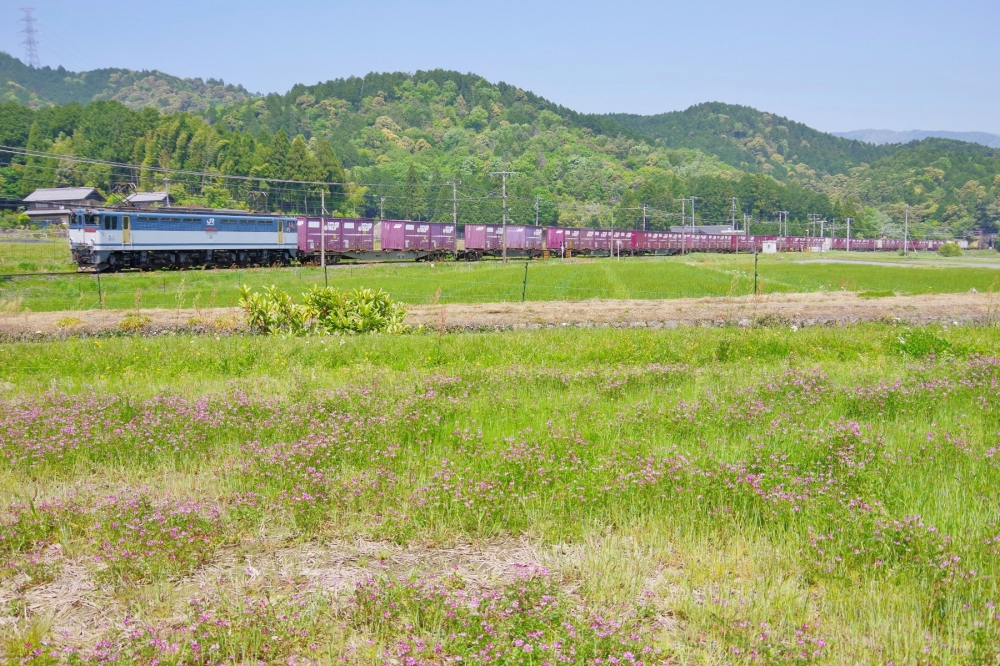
(324, 311)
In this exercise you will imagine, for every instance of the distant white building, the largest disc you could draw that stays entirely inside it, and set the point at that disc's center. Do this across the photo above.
(55, 205)
(149, 199)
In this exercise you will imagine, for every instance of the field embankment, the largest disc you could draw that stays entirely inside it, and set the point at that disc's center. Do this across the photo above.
(800, 310)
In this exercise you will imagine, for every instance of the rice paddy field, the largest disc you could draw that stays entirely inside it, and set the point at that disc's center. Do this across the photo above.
(690, 276)
(592, 496)
(34, 253)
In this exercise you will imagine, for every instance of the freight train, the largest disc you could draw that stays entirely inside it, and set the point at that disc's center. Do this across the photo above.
(117, 239)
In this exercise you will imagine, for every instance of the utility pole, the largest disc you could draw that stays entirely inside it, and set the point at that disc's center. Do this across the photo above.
(166, 186)
(644, 217)
(30, 42)
(322, 229)
(503, 175)
(733, 199)
(693, 219)
(454, 201)
(782, 222)
(683, 226)
(381, 208)
(849, 220)
(906, 229)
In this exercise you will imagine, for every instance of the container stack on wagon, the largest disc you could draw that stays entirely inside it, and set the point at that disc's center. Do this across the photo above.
(576, 242)
(404, 240)
(341, 236)
(484, 240)
(115, 239)
(424, 240)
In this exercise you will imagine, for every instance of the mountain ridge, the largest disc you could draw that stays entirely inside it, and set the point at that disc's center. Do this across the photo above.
(407, 133)
(45, 86)
(883, 137)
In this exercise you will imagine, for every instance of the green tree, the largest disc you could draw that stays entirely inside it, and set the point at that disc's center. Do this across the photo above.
(300, 164)
(413, 205)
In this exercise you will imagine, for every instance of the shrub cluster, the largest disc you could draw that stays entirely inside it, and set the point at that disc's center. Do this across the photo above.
(950, 250)
(324, 311)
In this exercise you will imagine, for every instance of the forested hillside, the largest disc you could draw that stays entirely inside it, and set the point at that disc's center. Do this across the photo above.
(39, 88)
(750, 139)
(403, 145)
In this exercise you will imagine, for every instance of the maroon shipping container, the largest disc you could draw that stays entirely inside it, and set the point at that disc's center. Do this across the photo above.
(555, 238)
(488, 238)
(624, 241)
(520, 237)
(405, 235)
(483, 237)
(577, 240)
(341, 235)
(593, 239)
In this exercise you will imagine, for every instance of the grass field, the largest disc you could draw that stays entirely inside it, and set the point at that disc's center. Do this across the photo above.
(31, 255)
(449, 282)
(821, 496)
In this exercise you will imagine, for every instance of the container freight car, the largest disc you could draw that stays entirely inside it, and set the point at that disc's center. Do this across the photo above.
(577, 242)
(351, 238)
(424, 240)
(483, 240)
(342, 236)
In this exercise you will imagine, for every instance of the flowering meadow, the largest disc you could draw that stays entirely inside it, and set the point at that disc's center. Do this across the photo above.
(602, 497)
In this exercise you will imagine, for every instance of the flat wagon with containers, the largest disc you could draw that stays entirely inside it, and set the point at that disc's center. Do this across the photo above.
(108, 239)
(402, 240)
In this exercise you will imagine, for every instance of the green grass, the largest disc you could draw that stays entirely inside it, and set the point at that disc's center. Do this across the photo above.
(31, 255)
(826, 495)
(450, 282)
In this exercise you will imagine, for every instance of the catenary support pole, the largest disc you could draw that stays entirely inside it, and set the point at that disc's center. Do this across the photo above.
(503, 175)
(906, 229)
(683, 225)
(454, 202)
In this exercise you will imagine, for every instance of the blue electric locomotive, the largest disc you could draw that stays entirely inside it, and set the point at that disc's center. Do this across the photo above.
(112, 240)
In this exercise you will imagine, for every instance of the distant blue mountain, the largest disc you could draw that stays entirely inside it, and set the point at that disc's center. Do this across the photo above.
(880, 137)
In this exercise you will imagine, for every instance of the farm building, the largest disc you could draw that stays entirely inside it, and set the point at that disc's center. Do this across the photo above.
(149, 199)
(54, 206)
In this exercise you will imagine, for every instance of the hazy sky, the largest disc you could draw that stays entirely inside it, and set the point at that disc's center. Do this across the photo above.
(843, 65)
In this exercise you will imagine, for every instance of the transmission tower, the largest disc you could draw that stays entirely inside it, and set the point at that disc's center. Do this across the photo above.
(30, 42)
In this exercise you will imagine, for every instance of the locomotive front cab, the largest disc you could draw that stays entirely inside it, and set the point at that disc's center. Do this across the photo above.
(76, 225)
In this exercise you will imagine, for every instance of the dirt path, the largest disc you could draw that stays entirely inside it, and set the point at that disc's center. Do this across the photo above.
(795, 309)
(814, 309)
